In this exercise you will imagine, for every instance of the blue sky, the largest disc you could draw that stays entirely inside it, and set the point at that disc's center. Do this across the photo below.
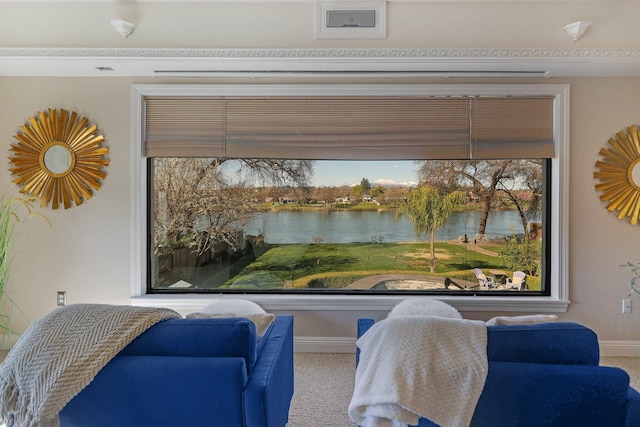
(387, 172)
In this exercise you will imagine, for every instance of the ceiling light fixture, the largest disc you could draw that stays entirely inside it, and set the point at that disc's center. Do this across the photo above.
(577, 29)
(124, 28)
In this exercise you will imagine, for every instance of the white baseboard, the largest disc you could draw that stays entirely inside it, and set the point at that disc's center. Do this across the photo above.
(611, 348)
(608, 348)
(324, 345)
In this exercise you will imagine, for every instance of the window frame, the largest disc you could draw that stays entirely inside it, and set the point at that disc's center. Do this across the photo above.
(557, 301)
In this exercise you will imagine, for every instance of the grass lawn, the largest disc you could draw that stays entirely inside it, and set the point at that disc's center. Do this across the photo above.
(298, 264)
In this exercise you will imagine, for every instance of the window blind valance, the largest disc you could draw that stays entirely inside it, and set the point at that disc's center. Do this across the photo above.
(357, 128)
(512, 128)
(185, 127)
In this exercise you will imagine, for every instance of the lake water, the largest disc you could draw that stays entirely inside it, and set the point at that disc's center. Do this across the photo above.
(367, 226)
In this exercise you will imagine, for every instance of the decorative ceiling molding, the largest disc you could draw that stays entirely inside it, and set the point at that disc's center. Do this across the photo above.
(593, 53)
(288, 1)
(521, 62)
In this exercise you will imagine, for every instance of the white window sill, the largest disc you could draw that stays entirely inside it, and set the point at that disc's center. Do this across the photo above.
(189, 303)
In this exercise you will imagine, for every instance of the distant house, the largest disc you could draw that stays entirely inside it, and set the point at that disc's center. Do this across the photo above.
(286, 200)
(369, 199)
(345, 200)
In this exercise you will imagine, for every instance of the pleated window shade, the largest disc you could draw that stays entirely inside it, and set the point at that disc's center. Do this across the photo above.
(350, 128)
(512, 128)
(185, 127)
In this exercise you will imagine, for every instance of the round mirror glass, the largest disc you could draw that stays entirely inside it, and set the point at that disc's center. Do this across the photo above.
(57, 159)
(634, 174)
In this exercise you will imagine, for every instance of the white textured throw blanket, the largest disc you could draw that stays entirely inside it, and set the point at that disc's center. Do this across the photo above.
(419, 366)
(61, 353)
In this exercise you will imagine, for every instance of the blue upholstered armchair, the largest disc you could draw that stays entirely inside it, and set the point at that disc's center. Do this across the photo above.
(548, 375)
(193, 372)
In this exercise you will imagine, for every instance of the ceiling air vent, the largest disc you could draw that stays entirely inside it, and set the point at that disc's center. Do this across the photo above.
(350, 19)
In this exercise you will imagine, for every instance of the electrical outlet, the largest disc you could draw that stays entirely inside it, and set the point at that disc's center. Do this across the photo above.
(626, 306)
(62, 298)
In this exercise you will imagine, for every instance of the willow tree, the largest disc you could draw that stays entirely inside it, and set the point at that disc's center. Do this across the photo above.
(429, 209)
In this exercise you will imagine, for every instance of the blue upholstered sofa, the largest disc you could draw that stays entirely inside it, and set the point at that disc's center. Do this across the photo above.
(193, 372)
(548, 375)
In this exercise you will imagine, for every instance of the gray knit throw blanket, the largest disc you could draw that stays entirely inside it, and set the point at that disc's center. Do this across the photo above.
(61, 353)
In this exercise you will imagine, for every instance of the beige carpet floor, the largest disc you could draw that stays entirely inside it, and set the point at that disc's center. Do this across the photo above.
(323, 389)
(324, 386)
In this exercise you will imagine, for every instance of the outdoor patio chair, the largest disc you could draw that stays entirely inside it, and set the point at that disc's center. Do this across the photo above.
(485, 282)
(517, 281)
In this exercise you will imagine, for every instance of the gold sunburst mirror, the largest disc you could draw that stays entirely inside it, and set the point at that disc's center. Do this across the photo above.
(59, 158)
(619, 174)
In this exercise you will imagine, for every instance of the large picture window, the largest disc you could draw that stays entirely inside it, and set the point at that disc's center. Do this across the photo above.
(354, 190)
(288, 225)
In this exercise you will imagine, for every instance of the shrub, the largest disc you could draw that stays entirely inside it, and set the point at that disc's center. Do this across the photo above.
(521, 254)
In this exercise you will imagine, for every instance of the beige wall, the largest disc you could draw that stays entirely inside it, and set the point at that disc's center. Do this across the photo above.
(87, 251)
(429, 24)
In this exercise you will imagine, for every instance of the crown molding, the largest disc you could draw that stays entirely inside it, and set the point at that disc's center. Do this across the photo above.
(160, 61)
(592, 53)
(290, 1)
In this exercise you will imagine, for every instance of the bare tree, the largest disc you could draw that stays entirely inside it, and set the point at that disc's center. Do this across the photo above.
(274, 172)
(525, 191)
(293, 175)
(199, 202)
(483, 177)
